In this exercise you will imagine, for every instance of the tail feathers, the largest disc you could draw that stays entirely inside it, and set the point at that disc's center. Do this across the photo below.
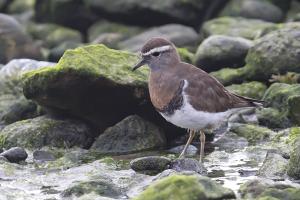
(253, 102)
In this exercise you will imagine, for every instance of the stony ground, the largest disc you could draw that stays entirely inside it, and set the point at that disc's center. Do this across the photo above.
(77, 123)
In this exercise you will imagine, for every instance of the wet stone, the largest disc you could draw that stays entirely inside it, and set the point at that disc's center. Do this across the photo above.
(3, 159)
(41, 155)
(150, 165)
(15, 154)
(188, 164)
(191, 150)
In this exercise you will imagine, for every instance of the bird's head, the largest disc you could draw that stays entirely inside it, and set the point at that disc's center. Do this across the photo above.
(158, 53)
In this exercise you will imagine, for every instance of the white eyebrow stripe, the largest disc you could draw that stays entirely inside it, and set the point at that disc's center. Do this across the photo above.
(157, 49)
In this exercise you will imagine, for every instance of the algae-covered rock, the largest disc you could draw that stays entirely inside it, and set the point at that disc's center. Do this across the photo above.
(253, 133)
(277, 194)
(93, 82)
(293, 169)
(219, 51)
(185, 55)
(45, 131)
(285, 98)
(255, 9)
(19, 6)
(186, 188)
(236, 27)
(57, 52)
(150, 165)
(252, 89)
(275, 53)
(229, 76)
(272, 118)
(136, 135)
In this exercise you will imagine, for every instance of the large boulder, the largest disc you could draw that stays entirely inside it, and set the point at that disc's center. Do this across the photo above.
(93, 82)
(155, 12)
(256, 9)
(276, 52)
(180, 35)
(46, 131)
(181, 187)
(252, 89)
(132, 134)
(219, 51)
(236, 27)
(14, 42)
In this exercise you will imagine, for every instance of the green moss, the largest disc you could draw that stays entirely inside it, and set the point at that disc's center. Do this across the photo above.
(180, 187)
(228, 75)
(293, 169)
(252, 133)
(293, 135)
(277, 194)
(185, 55)
(252, 89)
(2, 140)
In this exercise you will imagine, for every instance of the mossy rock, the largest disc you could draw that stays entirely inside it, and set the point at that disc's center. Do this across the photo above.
(20, 6)
(272, 118)
(252, 89)
(293, 169)
(277, 194)
(45, 131)
(253, 133)
(185, 55)
(236, 27)
(93, 82)
(229, 76)
(275, 53)
(181, 187)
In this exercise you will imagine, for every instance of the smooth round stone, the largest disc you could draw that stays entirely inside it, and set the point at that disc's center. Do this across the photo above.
(150, 164)
(41, 155)
(188, 164)
(3, 159)
(191, 150)
(15, 154)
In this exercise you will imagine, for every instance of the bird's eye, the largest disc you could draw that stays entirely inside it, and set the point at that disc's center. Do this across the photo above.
(155, 54)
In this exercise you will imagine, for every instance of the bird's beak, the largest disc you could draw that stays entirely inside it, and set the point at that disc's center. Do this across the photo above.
(139, 64)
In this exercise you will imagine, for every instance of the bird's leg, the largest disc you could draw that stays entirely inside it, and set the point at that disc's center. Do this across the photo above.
(192, 134)
(202, 143)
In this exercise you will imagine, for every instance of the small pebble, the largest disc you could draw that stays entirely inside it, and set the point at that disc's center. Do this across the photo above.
(15, 154)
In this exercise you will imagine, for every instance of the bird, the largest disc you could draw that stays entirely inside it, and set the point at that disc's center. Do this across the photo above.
(185, 95)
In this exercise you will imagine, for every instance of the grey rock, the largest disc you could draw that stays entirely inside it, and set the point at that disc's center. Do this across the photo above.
(191, 150)
(42, 155)
(132, 134)
(274, 167)
(237, 27)
(219, 51)
(255, 9)
(188, 164)
(231, 142)
(15, 154)
(150, 164)
(180, 35)
(47, 131)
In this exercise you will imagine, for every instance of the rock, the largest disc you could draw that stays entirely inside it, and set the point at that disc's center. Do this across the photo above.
(3, 159)
(231, 142)
(276, 52)
(256, 188)
(252, 89)
(53, 35)
(289, 78)
(255, 9)
(15, 154)
(274, 167)
(150, 13)
(219, 51)
(57, 52)
(254, 134)
(46, 131)
(289, 193)
(88, 86)
(229, 76)
(272, 118)
(191, 150)
(185, 55)
(42, 155)
(186, 188)
(13, 105)
(236, 27)
(20, 6)
(180, 35)
(106, 27)
(132, 134)
(284, 97)
(102, 187)
(293, 169)
(150, 165)
(54, 11)
(188, 164)
(14, 42)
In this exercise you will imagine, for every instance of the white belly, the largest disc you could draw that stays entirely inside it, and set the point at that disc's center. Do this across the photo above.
(189, 118)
